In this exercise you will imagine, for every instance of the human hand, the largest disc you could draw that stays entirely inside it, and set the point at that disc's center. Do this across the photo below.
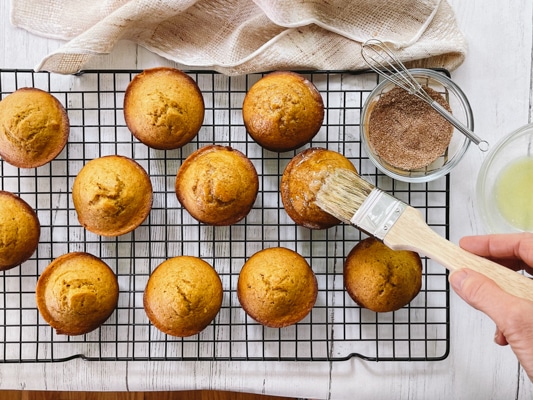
(513, 316)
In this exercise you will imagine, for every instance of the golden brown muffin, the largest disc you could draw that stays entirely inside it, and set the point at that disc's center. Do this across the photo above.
(112, 195)
(302, 179)
(382, 279)
(76, 293)
(164, 108)
(34, 128)
(277, 287)
(217, 185)
(19, 230)
(183, 295)
(283, 111)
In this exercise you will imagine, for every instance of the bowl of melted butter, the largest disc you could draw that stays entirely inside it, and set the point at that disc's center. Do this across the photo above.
(505, 184)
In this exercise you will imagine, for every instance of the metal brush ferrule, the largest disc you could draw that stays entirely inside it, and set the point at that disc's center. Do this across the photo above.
(378, 213)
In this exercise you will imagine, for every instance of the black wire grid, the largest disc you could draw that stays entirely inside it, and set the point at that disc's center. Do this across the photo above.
(336, 329)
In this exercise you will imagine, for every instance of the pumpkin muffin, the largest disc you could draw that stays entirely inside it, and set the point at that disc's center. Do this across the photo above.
(277, 287)
(34, 128)
(77, 293)
(302, 179)
(382, 279)
(283, 111)
(112, 195)
(217, 185)
(19, 230)
(183, 295)
(164, 108)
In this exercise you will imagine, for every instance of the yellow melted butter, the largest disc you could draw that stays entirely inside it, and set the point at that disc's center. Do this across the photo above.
(514, 193)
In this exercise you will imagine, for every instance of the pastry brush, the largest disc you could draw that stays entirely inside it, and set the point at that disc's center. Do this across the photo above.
(353, 200)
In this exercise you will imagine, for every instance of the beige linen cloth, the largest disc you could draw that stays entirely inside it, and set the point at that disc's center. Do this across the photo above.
(245, 36)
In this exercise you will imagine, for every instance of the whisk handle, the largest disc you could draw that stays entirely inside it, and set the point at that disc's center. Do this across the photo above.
(482, 144)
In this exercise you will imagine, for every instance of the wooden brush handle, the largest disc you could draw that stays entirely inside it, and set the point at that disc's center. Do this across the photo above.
(410, 232)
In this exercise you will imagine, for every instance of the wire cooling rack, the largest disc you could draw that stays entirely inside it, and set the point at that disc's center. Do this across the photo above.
(336, 328)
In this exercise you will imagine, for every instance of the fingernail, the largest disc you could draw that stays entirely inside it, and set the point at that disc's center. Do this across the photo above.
(457, 278)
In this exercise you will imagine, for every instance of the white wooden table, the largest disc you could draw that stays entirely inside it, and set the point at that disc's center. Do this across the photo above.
(497, 78)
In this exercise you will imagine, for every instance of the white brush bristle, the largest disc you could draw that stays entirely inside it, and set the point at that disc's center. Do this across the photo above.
(342, 193)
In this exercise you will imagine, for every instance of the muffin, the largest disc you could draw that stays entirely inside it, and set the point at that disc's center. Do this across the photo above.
(34, 128)
(277, 287)
(217, 185)
(183, 295)
(382, 279)
(407, 132)
(283, 111)
(76, 293)
(19, 230)
(163, 108)
(112, 195)
(302, 179)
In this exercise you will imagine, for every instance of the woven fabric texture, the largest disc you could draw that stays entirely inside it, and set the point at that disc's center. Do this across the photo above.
(243, 36)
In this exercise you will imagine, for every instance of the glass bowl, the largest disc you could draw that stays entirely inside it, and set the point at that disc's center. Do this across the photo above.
(458, 145)
(504, 189)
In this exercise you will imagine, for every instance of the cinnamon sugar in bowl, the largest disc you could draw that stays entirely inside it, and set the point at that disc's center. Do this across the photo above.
(405, 138)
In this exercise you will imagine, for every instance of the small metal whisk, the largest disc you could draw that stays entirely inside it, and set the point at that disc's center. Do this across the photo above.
(381, 59)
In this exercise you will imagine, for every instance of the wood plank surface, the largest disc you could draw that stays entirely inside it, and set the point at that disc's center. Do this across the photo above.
(180, 395)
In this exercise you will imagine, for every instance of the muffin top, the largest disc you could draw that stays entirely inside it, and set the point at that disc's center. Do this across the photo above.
(283, 111)
(382, 279)
(277, 287)
(183, 295)
(217, 185)
(19, 230)
(34, 128)
(302, 179)
(76, 293)
(163, 108)
(112, 195)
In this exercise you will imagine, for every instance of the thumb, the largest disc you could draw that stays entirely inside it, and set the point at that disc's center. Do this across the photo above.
(510, 313)
(481, 293)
